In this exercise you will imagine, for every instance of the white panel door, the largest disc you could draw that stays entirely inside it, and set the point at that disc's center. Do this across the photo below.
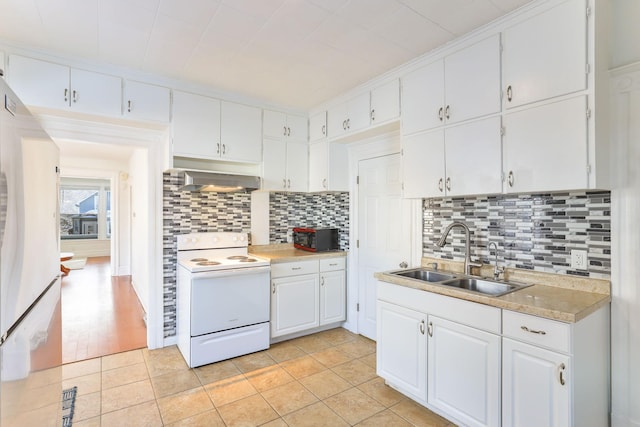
(546, 55)
(143, 101)
(333, 297)
(545, 147)
(423, 165)
(423, 98)
(294, 304)
(385, 102)
(464, 372)
(96, 93)
(274, 165)
(297, 166)
(196, 126)
(401, 357)
(39, 83)
(533, 393)
(241, 133)
(384, 231)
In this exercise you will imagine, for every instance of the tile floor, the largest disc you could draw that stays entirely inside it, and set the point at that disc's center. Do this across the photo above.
(325, 379)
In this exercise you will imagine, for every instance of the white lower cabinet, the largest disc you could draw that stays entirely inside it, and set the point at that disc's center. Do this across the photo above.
(333, 291)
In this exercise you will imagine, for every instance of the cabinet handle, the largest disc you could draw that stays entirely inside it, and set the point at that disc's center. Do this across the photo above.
(296, 268)
(344, 125)
(430, 329)
(324, 129)
(74, 97)
(224, 149)
(448, 184)
(441, 114)
(440, 182)
(561, 369)
(129, 106)
(422, 327)
(284, 183)
(446, 112)
(66, 92)
(322, 281)
(332, 264)
(373, 114)
(288, 131)
(533, 331)
(285, 131)
(288, 183)
(510, 179)
(509, 93)
(324, 183)
(348, 123)
(218, 148)
(273, 285)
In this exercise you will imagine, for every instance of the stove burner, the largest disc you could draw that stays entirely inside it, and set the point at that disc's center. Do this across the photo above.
(199, 259)
(240, 257)
(248, 260)
(205, 262)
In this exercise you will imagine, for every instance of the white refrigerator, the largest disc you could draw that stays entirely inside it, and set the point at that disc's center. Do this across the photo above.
(30, 324)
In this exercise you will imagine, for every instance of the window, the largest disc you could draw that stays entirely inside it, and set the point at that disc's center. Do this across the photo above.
(85, 209)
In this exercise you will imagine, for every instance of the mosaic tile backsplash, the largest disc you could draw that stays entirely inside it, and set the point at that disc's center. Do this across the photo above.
(324, 210)
(535, 232)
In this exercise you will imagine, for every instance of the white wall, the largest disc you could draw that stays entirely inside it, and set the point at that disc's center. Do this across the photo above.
(140, 232)
(625, 32)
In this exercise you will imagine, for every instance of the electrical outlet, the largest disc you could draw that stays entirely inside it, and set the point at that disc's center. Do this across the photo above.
(578, 259)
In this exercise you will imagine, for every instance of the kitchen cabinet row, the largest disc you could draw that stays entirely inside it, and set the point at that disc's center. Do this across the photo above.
(483, 366)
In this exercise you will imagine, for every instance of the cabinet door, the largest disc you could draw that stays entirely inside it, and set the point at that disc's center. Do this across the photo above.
(338, 167)
(294, 304)
(96, 93)
(472, 81)
(535, 386)
(297, 166)
(297, 128)
(545, 148)
(318, 126)
(337, 120)
(196, 126)
(423, 98)
(464, 372)
(545, 56)
(241, 133)
(318, 166)
(385, 102)
(274, 124)
(333, 297)
(143, 101)
(39, 83)
(274, 165)
(423, 171)
(473, 153)
(359, 112)
(401, 349)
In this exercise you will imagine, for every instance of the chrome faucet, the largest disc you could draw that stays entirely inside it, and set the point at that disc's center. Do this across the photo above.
(467, 246)
(496, 270)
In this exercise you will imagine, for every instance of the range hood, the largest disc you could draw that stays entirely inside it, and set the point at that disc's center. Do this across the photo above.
(219, 182)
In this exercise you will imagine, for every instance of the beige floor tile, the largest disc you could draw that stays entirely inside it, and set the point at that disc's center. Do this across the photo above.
(359, 347)
(381, 392)
(91, 422)
(353, 405)
(418, 415)
(164, 361)
(303, 367)
(275, 423)
(337, 336)
(369, 360)
(331, 357)
(250, 411)
(124, 375)
(78, 369)
(119, 360)
(229, 390)
(121, 397)
(325, 384)
(168, 384)
(355, 372)
(213, 372)
(289, 397)
(254, 361)
(143, 415)
(311, 343)
(384, 419)
(86, 384)
(209, 419)
(268, 378)
(184, 405)
(87, 406)
(283, 351)
(316, 415)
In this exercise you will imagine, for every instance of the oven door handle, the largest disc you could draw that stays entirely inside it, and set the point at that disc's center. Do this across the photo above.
(230, 272)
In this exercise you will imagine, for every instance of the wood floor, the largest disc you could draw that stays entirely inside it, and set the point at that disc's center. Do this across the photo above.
(101, 314)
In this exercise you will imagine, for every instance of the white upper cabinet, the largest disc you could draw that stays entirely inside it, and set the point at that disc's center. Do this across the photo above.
(281, 125)
(545, 148)
(318, 126)
(147, 102)
(45, 84)
(284, 165)
(240, 133)
(385, 102)
(350, 116)
(463, 85)
(196, 126)
(546, 55)
(328, 167)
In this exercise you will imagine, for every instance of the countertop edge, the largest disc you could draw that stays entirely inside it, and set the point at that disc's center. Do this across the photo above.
(279, 256)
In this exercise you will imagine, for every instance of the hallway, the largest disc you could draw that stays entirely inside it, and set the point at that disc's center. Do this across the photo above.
(101, 314)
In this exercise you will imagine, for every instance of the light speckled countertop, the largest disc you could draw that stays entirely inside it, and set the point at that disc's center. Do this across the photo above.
(558, 297)
(285, 252)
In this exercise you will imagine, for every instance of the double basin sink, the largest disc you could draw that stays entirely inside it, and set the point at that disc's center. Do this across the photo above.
(465, 283)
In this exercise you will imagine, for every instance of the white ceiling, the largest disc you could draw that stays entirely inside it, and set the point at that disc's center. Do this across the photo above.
(295, 53)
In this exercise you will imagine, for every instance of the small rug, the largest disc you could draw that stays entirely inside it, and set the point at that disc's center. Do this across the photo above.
(75, 263)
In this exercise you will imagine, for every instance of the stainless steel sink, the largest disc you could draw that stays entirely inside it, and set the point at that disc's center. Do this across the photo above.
(485, 287)
(424, 275)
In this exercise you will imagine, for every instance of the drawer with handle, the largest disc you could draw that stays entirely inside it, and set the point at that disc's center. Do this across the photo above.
(332, 264)
(294, 268)
(537, 330)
